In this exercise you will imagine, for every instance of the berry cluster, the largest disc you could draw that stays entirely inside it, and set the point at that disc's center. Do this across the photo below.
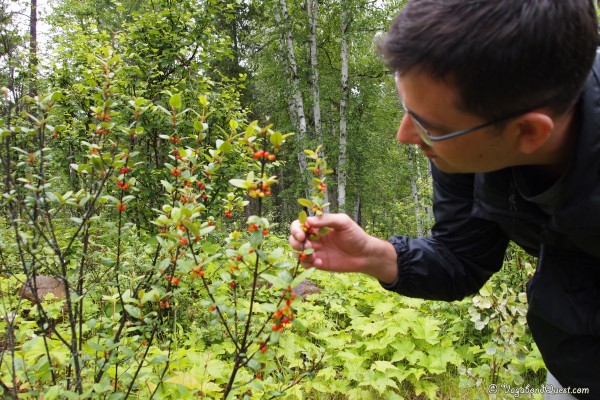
(123, 185)
(261, 154)
(255, 227)
(198, 271)
(263, 191)
(103, 117)
(173, 280)
(285, 314)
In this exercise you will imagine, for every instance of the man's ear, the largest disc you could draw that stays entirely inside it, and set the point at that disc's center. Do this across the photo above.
(532, 131)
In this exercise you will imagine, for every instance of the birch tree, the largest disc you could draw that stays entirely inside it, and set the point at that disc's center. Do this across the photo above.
(287, 40)
(414, 190)
(342, 170)
(33, 47)
(312, 7)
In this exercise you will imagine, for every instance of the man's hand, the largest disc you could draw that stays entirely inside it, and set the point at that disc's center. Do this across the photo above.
(345, 248)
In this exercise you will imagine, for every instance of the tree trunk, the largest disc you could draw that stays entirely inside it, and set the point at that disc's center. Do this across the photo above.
(414, 190)
(342, 172)
(312, 7)
(358, 212)
(288, 45)
(426, 211)
(33, 57)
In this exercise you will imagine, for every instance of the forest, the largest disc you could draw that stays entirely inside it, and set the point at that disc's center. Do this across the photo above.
(153, 154)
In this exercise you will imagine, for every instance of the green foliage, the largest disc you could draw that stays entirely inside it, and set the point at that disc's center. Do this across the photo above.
(133, 291)
(378, 345)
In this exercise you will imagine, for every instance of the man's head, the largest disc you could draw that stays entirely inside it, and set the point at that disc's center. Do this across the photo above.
(501, 56)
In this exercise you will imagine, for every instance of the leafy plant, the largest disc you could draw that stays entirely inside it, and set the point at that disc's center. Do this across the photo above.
(132, 293)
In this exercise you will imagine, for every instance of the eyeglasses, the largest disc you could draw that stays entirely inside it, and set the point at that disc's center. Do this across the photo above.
(428, 138)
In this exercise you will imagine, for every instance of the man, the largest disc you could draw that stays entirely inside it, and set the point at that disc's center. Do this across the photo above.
(502, 98)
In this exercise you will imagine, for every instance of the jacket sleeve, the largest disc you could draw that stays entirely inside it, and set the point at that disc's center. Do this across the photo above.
(462, 253)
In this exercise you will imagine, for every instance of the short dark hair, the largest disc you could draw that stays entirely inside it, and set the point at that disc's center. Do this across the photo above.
(501, 55)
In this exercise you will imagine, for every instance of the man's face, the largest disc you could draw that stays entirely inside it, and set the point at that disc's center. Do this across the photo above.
(433, 103)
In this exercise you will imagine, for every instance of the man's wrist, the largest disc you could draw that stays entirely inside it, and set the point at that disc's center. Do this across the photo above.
(383, 262)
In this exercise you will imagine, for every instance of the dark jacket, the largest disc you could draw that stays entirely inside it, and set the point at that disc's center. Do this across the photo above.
(476, 215)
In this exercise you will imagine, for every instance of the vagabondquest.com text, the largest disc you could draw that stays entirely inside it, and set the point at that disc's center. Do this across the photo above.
(517, 391)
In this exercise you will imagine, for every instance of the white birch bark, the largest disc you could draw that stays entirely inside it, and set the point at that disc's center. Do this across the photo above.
(295, 82)
(342, 159)
(33, 48)
(415, 191)
(288, 99)
(312, 7)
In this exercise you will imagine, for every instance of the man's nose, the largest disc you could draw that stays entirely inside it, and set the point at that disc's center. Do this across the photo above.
(407, 132)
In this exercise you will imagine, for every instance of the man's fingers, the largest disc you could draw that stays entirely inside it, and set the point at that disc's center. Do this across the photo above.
(296, 233)
(334, 221)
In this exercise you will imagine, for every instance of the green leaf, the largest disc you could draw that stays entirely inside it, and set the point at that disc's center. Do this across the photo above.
(383, 366)
(426, 387)
(303, 276)
(276, 281)
(380, 383)
(206, 230)
(108, 262)
(240, 183)
(192, 227)
(134, 311)
(175, 101)
(256, 238)
(302, 217)
(305, 203)
(210, 248)
(426, 329)
(224, 146)
(276, 138)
